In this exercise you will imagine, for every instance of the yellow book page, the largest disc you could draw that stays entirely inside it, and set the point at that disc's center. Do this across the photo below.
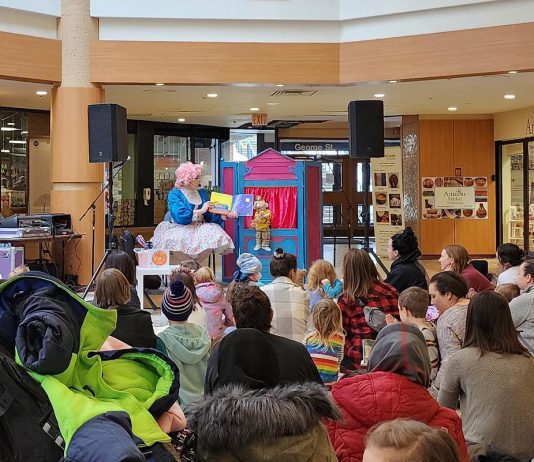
(221, 203)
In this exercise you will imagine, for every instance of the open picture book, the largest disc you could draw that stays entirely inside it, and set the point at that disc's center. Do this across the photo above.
(223, 204)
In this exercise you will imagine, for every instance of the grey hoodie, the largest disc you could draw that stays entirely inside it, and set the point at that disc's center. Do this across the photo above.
(188, 345)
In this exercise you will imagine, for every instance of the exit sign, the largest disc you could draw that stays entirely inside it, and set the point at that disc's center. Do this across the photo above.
(259, 120)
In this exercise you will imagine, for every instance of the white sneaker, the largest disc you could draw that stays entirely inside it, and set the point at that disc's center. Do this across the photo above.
(266, 247)
(258, 247)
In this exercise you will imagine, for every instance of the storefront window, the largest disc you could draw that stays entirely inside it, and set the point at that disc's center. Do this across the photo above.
(332, 176)
(13, 162)
(169, 152)
(512, 193)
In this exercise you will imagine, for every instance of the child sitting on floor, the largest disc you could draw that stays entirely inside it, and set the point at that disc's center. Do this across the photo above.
(211, 295)
(187, 344)
(249, 269)
(413, 305)
(508, 291)
(325, 342)
(322, 282)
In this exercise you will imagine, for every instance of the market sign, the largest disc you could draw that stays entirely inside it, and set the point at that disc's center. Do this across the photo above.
(454, 198)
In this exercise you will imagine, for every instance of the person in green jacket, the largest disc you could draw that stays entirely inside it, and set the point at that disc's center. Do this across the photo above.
(188, 345)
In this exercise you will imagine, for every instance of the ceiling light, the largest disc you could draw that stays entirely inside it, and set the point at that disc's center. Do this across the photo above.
(9, 129)
(5, 150)
(12, 124)
(254, 108)
(279, 85)
(509, 96)
(379, 95)
(41, 92)
(17, 141)
(512, 72)
(272, 103)
(452, 108)
(212, 95)
(24, 132)
(392, 81)
(159, 84)
(181, 119)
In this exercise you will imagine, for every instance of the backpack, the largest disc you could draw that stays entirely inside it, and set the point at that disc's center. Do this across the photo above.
(28, 428)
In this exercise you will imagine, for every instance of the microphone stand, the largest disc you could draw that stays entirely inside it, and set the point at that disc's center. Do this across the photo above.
(111, 220)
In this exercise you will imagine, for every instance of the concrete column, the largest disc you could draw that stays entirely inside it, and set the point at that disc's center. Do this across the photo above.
(75, 181)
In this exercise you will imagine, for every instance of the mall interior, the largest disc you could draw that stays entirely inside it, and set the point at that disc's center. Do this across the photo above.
(219, 83)
(456, 98)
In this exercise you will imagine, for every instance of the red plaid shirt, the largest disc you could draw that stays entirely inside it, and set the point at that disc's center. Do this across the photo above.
(381, 295)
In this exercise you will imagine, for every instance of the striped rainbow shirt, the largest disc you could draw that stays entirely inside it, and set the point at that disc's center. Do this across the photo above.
(327, 360)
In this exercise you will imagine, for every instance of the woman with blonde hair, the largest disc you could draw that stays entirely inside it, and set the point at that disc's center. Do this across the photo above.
(322, 282)
(134, 325)
(325, 342)
(455, 258)
(363, 287)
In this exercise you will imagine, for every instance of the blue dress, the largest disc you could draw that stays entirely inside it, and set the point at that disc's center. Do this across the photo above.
(195, 239)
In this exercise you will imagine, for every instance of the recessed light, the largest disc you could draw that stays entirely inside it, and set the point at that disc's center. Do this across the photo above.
(212, 95)
(272, 103)
(12, 124)
(181, 119)
(159, 84)
(512, 72)
(254, 108)
(17, 141)
(41, 93)
(9, 129)
(279, 85)
(452, 108)
(392, 81)
(379, 95)
(509, 96)
(5, 150)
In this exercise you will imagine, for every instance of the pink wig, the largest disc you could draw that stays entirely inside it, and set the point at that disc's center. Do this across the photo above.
(186, 173)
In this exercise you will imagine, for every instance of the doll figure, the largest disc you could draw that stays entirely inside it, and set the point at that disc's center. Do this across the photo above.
(262, 224)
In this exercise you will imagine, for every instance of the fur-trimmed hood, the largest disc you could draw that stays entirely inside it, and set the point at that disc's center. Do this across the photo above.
(233, 417)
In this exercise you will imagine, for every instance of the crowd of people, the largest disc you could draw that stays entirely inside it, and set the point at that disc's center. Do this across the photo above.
(351, 368)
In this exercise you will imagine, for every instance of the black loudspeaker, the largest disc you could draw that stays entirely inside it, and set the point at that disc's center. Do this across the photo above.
(108, 135)
(366, 122)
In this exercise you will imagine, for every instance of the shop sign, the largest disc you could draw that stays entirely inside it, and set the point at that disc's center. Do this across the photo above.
(454, 198)
(314, 146)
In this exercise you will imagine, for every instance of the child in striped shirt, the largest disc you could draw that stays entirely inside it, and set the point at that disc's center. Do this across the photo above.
(325, 342)
(413, 306)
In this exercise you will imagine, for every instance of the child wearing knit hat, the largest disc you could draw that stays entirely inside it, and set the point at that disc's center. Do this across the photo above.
(249, 268)
(187, 344)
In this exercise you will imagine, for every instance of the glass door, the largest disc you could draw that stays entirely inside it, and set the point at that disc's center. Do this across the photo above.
(529, 148)
(512, 200)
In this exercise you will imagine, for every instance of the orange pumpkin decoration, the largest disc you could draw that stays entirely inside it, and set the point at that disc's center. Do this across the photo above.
(159, 258)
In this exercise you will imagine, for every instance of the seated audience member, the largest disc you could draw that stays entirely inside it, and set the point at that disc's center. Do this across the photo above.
(509, 291)
(363, 287)
(510, 257)
(134, 325)
(403, 440)
(252, 309)
(493, 377)
(522, 307)
(18, 270)
(325, 342)
(126, 265)
(288, 299)
(187, 344)
(211, 296)
(395, 387)
(448, 292)
(413, 305)
(186, 275)
(249, 418)
(248, 271)
(455, 258)
(406, 271)
(322, 282)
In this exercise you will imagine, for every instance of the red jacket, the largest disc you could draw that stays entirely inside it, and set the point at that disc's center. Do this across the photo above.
(367, 399)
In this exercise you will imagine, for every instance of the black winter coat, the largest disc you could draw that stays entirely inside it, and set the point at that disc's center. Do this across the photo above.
(406, 271)
(134, 326)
